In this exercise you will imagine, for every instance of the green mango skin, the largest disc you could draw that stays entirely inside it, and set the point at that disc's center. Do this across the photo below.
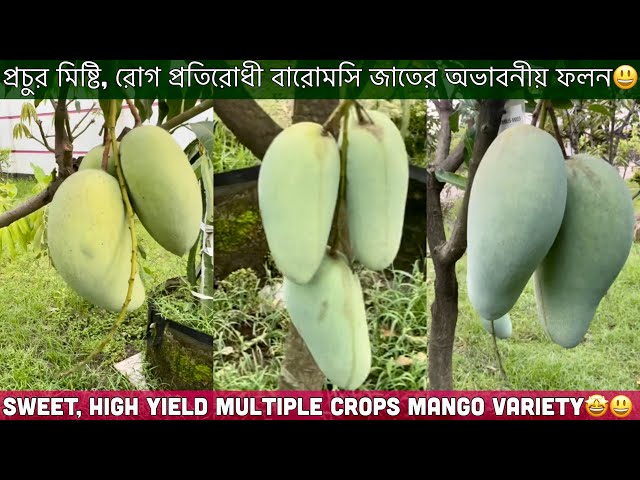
(502, 326)
(163, 187)
(90, 242)
(297, 195)
(329, 314)
(93, 159)
(516, 205)
(377, 185)
(589, 252)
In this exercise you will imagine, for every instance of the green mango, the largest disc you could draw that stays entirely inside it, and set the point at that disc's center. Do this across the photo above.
(90, 241)
(502, 326)
(516, 205)
(589, 252)
(93, 159)
(329, 314)
(377, 185)
(297, 195)
(163, 187)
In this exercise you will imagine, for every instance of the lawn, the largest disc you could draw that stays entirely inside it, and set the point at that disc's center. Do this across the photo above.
(607, 359)
(46, 328)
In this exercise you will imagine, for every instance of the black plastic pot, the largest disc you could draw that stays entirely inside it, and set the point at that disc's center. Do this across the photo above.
(181, 357)
(239, 240)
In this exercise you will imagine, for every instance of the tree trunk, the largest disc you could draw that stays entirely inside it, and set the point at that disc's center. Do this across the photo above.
(299, 370)
(445, 254)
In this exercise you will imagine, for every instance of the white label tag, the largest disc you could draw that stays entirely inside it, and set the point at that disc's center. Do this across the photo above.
(514, 114)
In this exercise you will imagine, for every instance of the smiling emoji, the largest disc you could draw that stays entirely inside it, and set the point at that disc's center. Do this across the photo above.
(621, 406)
(596, 405)
(625, 77)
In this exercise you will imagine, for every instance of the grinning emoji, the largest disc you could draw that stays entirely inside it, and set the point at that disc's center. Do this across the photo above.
(621, 406)
(596, 405)
(625, 77)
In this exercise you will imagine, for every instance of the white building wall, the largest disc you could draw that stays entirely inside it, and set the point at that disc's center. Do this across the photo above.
(26, 151)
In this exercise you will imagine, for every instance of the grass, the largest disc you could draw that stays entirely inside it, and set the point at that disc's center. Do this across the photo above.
(250, 326)
(605, 360)
(46, 328)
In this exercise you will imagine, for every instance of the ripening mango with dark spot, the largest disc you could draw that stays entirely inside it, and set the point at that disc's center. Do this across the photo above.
(90, 241)
(329, 314)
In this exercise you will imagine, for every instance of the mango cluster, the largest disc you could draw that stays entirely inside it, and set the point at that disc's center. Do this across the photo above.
(298, 189)
(569, 224)
(88, 232)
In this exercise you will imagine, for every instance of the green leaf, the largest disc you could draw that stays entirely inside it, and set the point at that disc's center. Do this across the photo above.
(561, 104)
(175, 108)
(163, 110)
(77, 105)
(40, 176)
(452, 178)
(145, 108)
(191, 261)
(142, 252)
(206, 178)
(597, 108)
(204, 133)
(37, 102)
(105, 105)
(38, 236)
(454, 121)
(9, 190)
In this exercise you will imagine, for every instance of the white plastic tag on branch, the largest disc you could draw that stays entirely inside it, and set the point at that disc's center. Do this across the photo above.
(201, 296)
(514, 114)
(206, 228)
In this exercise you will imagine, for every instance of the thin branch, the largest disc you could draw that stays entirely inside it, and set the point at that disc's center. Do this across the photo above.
(44, 137)
(44, 143)
(556, 129)
(85, 128)
(188, 114)
(536, 113)
(83, 119)
(134, 111)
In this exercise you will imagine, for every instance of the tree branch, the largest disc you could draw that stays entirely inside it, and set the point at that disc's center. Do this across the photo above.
(31, 205)
(556, 129)
(85, 128)
(82, 120)
(445, 109)
(44, 137)
(188, 114)
(436, 234)
(44, 144)
(250, 124)
(488, 124)
(134, 111)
